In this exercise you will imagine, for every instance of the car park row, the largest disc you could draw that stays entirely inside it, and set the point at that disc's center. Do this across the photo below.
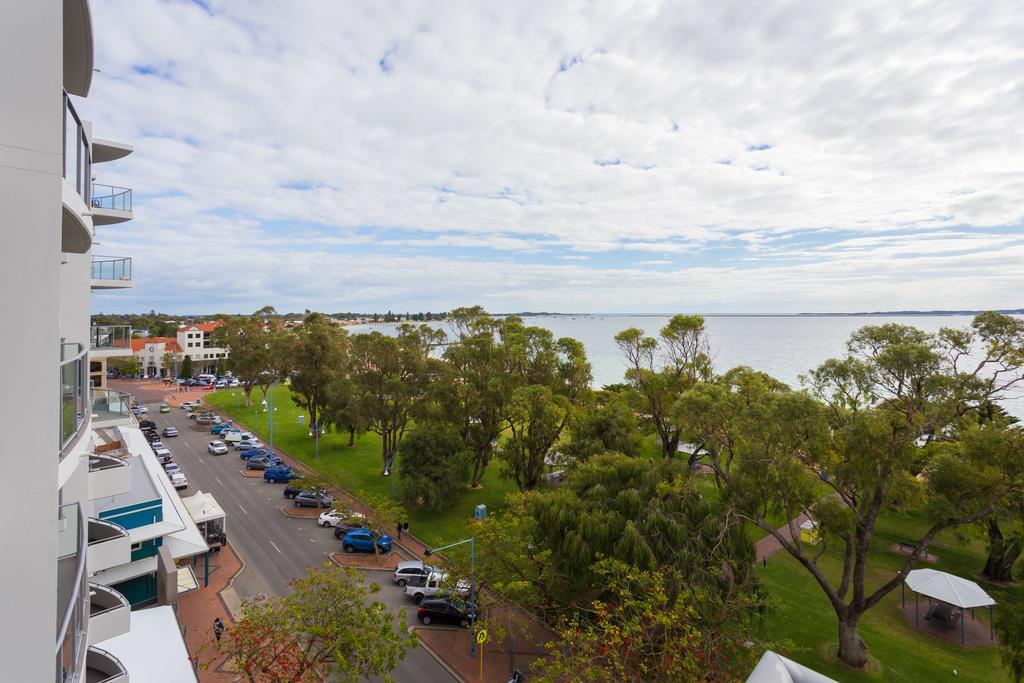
(438, 598)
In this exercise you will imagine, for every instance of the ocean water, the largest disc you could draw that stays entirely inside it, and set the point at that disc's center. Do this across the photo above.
(783, 346)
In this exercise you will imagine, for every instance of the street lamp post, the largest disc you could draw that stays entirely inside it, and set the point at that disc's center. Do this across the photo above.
(472, 584)
(270, 420)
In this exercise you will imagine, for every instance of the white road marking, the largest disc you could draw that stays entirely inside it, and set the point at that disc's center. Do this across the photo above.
(242, 508)
(275, 547)
(219, 481)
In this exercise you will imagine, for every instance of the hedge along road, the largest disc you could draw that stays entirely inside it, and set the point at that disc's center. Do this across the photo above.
(275, 549)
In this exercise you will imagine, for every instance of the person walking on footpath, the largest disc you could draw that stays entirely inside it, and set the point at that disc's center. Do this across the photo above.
(218, 628)
(399, 531)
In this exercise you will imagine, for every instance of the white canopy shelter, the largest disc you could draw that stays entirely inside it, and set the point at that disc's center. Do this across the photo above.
(202, 507)
(209, 517)
(774, 668)
(950, 589)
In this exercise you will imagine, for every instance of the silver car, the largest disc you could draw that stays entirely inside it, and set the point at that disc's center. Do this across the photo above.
(410, 569)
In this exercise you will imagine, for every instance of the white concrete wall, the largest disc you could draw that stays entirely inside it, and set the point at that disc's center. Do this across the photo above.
(30, 279)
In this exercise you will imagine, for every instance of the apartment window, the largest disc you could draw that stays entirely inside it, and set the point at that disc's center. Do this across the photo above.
(136, 546)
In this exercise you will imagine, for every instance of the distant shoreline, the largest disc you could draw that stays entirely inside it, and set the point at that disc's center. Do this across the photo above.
(1005, 311)
(861, 314)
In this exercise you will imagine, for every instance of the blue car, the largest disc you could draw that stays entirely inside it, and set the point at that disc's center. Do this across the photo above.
(278, 473)
(361, 540)
(222, 427)
(254, 453)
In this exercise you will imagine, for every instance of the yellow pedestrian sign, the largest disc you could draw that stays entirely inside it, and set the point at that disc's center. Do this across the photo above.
(481, 638)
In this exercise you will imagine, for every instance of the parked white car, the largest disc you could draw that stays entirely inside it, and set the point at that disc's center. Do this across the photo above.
(245, 444)
(234, 383)
(232, 437)
(188, 405)
(179, 481)
(162, 455)
(217, 447)
(172, 467)
(330, 518)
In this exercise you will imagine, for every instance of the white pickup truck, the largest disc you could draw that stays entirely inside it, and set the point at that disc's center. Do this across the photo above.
(431, 585)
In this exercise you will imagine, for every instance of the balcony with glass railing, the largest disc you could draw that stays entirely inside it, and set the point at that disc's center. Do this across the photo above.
(110, 204)
(72, 592)
(74, 395)
(109, 613)
(109, 545)
(76, 233)
(111, 272)
(111, 339)
(111, 408)
(103, 667)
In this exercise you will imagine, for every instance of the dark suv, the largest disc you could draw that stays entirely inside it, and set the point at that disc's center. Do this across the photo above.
(448, 610)
(293, 488)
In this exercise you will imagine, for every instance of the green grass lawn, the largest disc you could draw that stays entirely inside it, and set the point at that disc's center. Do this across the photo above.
(898, 652)
(359, 468)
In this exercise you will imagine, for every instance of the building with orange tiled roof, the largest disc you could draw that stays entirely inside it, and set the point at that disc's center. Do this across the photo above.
(196, 341)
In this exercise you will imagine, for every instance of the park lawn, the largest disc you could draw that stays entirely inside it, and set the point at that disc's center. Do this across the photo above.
(800, 613)
(359, 468)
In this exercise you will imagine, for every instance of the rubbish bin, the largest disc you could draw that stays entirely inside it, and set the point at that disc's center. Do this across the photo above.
(480, 512)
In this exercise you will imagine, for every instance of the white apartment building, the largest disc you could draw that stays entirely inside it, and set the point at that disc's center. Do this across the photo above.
(75, 560)
(196, 340)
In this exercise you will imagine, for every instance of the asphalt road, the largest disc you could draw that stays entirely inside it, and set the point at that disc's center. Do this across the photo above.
(275, 548)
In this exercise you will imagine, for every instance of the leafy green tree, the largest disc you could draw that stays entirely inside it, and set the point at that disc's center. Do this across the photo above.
(383, 514)
(647, 514)
(639, 631)
(266, 312)
(1010, 629)
(342, 409)
(510, 564)
(317, 354)
(1004, 529)
(254, 348)
(478, 386)
(326, 627)
(168, 363)
(552, 378)
(434, 463)
(186, 366)
(391, 376)
(774, 450)
(129, 367)
(611, 426)
(536, 416)
(660, 369)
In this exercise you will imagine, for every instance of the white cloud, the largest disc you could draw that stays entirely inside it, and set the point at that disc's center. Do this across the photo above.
(805, 156)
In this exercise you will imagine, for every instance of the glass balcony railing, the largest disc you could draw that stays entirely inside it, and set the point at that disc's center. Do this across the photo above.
(111, 268)
(105, 337)
(72, 592)
(74, 394)
(77, 155)
(111, 405)
(110, 197)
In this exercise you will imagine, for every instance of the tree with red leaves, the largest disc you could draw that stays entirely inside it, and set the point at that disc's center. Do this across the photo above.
(327, 626)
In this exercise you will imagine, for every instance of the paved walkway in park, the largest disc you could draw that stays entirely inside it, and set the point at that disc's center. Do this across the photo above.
(769, 545)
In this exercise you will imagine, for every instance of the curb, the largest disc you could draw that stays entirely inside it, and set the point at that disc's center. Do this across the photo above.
(437, 658)
(231, 587)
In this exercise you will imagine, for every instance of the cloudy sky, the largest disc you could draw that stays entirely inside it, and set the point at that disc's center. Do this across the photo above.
(719, 156)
